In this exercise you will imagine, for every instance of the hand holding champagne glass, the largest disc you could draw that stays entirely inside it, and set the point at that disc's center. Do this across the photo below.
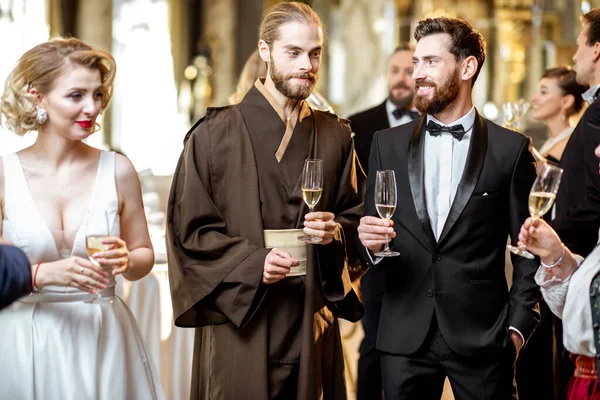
(385, 203)
(541, 198)
(96, 231)
(312, 189)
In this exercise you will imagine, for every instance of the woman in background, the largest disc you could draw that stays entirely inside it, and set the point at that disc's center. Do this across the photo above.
(72, 338)
(557, 99)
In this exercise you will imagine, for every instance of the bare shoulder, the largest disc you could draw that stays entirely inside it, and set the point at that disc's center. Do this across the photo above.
(125, 174)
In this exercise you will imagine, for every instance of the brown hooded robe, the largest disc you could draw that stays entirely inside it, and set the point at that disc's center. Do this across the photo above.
(216, 253)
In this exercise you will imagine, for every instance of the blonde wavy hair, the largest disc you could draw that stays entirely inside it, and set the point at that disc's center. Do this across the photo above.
(39, 68)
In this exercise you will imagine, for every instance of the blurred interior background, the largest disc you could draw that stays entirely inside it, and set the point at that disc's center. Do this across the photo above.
(177, 57)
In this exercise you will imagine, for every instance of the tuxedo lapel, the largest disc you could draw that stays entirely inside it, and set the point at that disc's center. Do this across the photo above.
(416, 162)
(381, 118)
(473, 167)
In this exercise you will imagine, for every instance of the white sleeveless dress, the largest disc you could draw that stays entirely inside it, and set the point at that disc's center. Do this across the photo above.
(53, 345)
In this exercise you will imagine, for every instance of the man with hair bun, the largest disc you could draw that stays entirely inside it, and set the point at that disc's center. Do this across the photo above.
(265, 303)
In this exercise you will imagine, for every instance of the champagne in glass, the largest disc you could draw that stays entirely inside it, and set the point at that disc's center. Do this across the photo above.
(312, 189)
(385, 203)
(541, 198)
(540, 203)
(96, 230)
(312, 196)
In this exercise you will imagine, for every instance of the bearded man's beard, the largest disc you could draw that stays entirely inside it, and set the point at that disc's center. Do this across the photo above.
(442, 97)
(293, 91)
(401, 102)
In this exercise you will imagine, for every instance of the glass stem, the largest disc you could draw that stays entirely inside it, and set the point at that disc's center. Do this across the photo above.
(310, 209)
(386, 247)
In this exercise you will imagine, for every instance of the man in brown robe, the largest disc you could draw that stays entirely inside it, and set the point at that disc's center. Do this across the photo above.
(264, 334)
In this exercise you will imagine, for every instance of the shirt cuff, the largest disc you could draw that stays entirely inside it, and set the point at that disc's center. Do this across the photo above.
(373, 261)
(512, 328)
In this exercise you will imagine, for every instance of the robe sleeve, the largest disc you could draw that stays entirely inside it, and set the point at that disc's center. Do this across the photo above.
(336, 258)
(214, 278)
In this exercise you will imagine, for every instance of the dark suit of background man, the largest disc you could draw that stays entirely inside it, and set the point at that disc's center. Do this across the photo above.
(15, 274)
(396, 110)
(463, 184)
(578, 199)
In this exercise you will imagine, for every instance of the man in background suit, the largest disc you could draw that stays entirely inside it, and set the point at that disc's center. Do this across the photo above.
(15, 274)
(578, 200)
(396, 110)
(462, 187)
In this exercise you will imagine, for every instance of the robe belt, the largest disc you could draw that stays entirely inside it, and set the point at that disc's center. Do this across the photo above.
(287, 240)
(64, 297)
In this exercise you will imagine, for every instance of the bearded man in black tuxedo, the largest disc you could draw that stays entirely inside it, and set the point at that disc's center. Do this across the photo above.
(396, 110)
(462, 188)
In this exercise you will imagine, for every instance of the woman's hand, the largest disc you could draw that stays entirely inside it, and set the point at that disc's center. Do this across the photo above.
(541, 240)
(116, 257)
(75, 272)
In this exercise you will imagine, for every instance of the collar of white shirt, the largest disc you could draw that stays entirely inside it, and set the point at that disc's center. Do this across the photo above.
(590, 94)
(466, 120)
(390, 108)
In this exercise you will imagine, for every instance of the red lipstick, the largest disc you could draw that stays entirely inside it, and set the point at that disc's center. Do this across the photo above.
(86, 124)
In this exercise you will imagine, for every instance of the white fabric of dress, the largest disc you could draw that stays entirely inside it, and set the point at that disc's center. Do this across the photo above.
(54, 345)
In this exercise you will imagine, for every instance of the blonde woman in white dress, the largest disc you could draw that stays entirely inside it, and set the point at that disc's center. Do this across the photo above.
(72, 338)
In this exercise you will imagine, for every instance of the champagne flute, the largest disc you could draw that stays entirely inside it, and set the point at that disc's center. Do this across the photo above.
(96, 230)
(541, 198)
(312, 189)
(385, 203)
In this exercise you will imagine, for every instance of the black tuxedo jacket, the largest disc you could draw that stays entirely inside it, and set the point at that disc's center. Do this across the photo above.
(578, 200)
(364, 125)
(460, 278)
(15, 275)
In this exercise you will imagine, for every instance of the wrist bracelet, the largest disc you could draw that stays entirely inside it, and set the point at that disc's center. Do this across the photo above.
(557, 262)
(35, 288)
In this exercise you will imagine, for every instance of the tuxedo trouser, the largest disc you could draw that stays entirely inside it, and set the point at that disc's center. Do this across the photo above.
(369, 381)
(421, 376)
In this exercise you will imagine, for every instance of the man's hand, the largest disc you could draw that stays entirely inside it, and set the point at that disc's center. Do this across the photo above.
(374, 233)
(320, 224)
(277, 266)
(517, 341)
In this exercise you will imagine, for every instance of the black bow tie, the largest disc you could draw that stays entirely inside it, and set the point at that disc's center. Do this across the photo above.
(399, 113)
(436, 129)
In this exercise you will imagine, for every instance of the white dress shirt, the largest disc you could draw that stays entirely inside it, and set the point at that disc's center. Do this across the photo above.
(445, 159)
(590, 94)
(390, 108)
